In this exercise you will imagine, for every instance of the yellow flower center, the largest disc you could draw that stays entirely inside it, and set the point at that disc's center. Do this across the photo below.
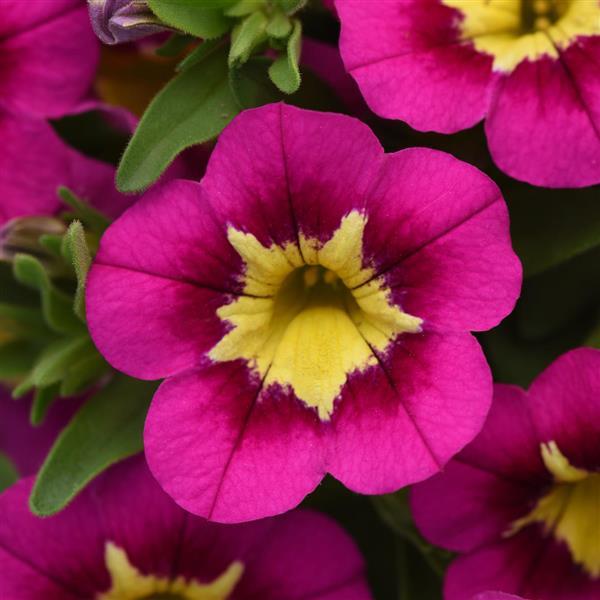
(129, 584)
(312, 313)
(570, 511)
(515, 30)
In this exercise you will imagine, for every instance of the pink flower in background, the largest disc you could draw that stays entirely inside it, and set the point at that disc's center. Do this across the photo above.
(124, 538)
(530, 69)
(521, 503)
(35, 162)
(48, 56)
(309, 303)
(496, 596)
(24, 445)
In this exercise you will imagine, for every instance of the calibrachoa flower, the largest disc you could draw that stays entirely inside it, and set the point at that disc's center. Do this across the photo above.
(48, 55)
(522, 502)
(27, 446)
(124, 539)
(35, 162)
(496, 596)
(529, 67)
(309, 303)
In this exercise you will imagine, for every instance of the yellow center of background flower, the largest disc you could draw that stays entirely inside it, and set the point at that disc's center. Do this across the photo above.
(570, 510)
(515, 30)
(127, 583)
(312, 313)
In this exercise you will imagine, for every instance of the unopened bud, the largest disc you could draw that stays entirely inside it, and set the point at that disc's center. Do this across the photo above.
(120, 21)
(22, 236)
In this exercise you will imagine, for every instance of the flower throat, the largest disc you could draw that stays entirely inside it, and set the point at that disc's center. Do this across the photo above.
(538, 15)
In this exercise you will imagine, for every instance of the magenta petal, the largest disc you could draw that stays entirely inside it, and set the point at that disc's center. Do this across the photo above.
(27, 446)
(48, 56)
(496, 596)
(539, 110)
(565, 407)
(224, 451)
(528, 564)
(166, 246)
(488, 485)
(306, 542)
(402, 425)
(439, 229)
(278, 169)
(409, 63)
(35, 162)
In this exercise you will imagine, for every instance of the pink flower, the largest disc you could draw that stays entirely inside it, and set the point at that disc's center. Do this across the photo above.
(496, 596)
(124, 538)
(309, 303)
(24, 445)
(48, 56)
(35, 162)
(521, 503)
(529, 68)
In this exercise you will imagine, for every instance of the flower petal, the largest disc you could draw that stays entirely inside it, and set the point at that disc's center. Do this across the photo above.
(565, 409)
(34, 162)
(439, 229)
(543, 107)
(278, 169)
(489, 485)
(49, 56)
(225, 450)
(400, 422)
(409, 63)
(528, 564)
(161, 272)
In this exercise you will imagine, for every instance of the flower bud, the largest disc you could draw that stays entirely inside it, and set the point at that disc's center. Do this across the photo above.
(22, 236)
(119, 21)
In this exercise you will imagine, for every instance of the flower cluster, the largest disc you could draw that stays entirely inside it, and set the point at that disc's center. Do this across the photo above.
(240, 306)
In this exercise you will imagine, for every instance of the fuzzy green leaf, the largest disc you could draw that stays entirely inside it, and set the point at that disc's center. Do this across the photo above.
(246, 37)
(41, 403)
(193, 108)
(285, 71)
(57, 307)
(81, 259)
(107, 428)
(279, 26)
(202, 18)
(92, 218)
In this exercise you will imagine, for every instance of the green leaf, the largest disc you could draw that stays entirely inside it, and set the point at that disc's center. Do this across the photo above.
(246, 37)
(8, 472)
(85, 371)
(279, 26)
(191, 109)
(552, 226)
(202, 18)
(57, 360)
(285, 72)
(41, 403)
(394, 510)
(174, 46)
(94, 219)
(57, 307)
(199, 53)
(552, 300)
(107, 428)
(79, 252)
(16, 359)
(242, 8)
(291, 6)
(22, 322)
